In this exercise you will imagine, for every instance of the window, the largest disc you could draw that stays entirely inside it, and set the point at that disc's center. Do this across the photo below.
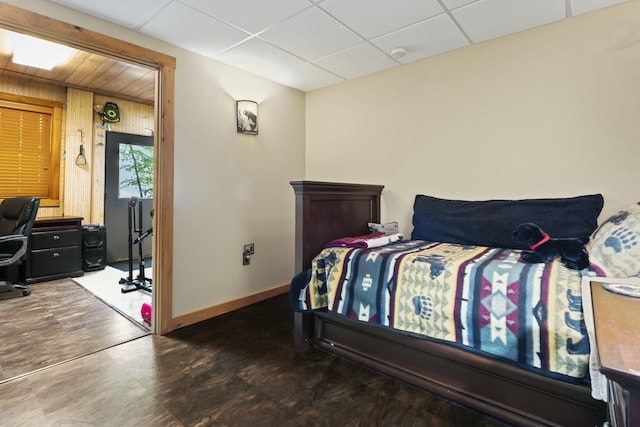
(30, 148)
(135, 171)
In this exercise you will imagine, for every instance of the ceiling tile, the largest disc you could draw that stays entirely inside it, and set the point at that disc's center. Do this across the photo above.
(312, 34)
(262, 14)
(308, 77)
(425, 39)
(488, 19)
(386, 16)
(356, 61)
(135, 14)
(579, 7)
(256, 55)
(192, 30)
(453, 4)
(319, 38)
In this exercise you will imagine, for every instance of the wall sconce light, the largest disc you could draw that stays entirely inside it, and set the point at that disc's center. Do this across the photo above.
(247, 117)
(81, 159)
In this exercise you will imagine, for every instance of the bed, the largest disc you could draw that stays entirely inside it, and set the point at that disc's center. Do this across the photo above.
(515, 387)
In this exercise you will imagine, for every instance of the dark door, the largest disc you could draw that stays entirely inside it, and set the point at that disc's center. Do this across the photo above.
(128, 186)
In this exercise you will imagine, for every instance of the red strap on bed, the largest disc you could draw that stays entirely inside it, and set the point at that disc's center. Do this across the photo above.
(544, 239)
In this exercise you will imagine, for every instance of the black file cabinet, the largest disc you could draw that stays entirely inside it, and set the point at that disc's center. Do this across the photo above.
(55, 249)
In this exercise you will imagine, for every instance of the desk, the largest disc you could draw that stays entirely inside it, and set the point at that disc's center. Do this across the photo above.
(617, 329)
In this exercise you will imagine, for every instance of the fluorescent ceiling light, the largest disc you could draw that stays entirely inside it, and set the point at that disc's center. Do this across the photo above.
(34, 52)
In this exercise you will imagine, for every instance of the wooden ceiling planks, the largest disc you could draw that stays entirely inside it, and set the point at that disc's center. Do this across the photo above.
(88, 71)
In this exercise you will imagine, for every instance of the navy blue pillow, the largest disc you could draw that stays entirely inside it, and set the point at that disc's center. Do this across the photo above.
(491, 222)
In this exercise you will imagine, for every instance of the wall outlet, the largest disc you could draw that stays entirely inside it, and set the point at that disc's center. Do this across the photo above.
(249, 248)
(247, 251)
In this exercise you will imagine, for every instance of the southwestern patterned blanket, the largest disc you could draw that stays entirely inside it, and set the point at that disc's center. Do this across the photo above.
(481, 298)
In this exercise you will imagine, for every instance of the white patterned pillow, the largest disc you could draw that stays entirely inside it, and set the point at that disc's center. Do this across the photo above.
(389, 227)
(615, 245)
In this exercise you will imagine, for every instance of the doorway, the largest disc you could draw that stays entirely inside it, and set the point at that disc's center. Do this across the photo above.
(128, 193)
(21, 20)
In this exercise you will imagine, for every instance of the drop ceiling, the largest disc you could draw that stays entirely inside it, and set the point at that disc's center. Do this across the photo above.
(310, 44)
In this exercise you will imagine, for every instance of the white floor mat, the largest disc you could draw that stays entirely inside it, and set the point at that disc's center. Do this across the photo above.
(105, 285)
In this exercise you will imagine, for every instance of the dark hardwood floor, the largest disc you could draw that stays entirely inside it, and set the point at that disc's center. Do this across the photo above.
(59, 321)
(66, 359)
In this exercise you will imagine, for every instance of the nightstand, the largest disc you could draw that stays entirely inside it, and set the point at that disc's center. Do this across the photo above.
(617, 330)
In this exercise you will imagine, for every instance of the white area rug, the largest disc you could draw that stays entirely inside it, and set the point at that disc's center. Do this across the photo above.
(105, 284)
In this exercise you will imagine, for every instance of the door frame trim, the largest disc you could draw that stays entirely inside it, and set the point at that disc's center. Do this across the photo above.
(24, 21)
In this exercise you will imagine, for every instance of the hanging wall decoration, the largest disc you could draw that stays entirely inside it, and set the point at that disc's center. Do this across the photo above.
(111, 112)
(247, 117)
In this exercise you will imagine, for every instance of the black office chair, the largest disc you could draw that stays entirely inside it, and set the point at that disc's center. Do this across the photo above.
(17, 216)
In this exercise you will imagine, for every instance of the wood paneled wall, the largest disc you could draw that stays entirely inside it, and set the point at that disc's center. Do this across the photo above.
(33, 89)
(77, 178)
(82, 186)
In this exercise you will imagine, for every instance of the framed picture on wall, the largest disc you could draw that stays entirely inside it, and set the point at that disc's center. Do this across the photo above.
(247, 117)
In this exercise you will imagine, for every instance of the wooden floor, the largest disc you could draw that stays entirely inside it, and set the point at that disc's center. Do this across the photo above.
(66, 359)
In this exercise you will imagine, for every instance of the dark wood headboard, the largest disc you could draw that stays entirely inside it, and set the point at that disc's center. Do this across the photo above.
(329, 210)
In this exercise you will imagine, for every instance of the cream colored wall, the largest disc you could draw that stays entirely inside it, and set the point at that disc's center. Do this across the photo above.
(230, 189)
(548, 112)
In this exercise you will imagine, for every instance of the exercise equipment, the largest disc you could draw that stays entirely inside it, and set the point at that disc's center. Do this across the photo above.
(140, 282)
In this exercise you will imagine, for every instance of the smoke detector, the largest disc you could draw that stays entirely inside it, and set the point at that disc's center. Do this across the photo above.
(398, 52)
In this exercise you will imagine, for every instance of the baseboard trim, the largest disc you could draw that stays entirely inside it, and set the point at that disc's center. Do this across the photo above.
(217, 310)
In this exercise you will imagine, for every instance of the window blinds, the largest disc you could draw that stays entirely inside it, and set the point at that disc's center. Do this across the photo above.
(25, 149)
